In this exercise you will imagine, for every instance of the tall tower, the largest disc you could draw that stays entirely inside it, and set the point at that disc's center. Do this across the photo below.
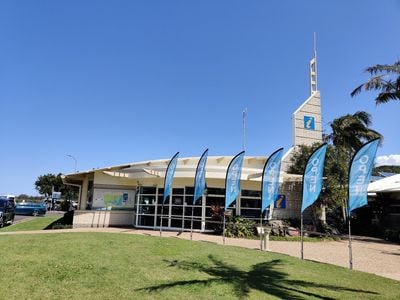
(307, 120)
(313, 70)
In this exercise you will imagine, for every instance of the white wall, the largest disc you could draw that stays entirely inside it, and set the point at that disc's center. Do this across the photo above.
(98, 218)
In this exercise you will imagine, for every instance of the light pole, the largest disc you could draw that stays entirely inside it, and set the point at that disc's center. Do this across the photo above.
(73, 157)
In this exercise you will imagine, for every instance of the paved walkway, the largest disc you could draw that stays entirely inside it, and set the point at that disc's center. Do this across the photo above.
(369, 255)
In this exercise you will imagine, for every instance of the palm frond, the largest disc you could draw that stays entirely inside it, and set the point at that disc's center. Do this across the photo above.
(389, 88)
(364, 117)
(357, 90)
(375, 83)
(395, 68)
(385, 97)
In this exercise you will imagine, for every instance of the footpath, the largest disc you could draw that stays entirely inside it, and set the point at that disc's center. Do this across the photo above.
(369, 255)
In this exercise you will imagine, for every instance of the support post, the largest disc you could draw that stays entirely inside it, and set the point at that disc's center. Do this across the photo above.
(261, 233)
(223, 231)
(301, 235)
(183, 217)
(191, 223)
(350, 248)
(161, 217)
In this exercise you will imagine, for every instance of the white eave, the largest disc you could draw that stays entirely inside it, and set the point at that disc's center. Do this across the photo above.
(186, 167)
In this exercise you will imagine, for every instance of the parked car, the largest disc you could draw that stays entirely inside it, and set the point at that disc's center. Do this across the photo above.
(7, 211)
(29, 208)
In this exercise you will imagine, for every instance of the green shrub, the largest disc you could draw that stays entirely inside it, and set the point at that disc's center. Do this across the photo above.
(239, 227)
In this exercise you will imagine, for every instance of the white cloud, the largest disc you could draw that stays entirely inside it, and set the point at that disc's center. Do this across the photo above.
(388, 160)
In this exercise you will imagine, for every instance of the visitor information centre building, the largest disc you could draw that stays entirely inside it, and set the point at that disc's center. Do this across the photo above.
(132, 194)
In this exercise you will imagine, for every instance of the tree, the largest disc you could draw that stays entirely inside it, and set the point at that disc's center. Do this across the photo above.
(46, 184)
(334, 193)
(348, 134)
(352, 131)
(385, 79)
(385, 169)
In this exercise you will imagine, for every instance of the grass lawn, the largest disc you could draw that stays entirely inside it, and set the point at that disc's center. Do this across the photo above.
(122, 266)
(38, 223)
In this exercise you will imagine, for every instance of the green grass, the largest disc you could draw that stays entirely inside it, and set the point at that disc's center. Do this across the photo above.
(121, 266)
(38, 223)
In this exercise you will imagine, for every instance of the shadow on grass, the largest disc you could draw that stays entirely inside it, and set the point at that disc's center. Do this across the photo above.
(263, 277)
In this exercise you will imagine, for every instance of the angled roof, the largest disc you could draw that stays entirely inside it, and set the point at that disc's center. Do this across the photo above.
(186, 167)
(387, 184)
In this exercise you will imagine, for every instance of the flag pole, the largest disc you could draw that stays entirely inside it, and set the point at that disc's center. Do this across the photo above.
(183, 221)
(244, 116)
(261, 233)
(350, 248)
(313, 163)
(223, 230)
(362, 161)
(199, 183)
(161, 217)
(191, 222)
(301, 235)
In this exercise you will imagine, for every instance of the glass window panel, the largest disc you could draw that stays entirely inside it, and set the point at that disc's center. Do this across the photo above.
(144, 199)
(251, 193)
(215, 200)
(252, 213)
(148, 190)
(215, 191)
(145, 220)
(189, 190)
(250, 202)
(178, 191)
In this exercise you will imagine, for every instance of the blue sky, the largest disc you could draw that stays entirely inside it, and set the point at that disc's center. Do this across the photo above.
(112, 82)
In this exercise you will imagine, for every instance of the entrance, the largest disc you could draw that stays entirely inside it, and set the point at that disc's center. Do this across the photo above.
(176, 211)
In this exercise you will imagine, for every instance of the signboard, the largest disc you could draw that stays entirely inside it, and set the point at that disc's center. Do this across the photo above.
(125, 197)
(56, 195)
(309, 123)
(280, 201)
(113, 198)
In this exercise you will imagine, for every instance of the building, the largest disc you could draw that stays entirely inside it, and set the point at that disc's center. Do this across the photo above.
(384, 201)
(132, 194)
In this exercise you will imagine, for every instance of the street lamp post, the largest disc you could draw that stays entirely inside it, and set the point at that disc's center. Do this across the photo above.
(75, 160)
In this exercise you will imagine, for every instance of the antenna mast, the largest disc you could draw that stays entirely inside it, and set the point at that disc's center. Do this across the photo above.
(313, 69)
(244, 116)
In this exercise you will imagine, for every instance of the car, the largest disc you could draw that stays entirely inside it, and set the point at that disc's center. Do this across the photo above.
(30, 208)
(7, 211)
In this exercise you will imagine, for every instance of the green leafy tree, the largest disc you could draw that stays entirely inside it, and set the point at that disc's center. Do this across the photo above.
(385, 79)
(23, 197)
(352, 131)
(334, 191)
(348, 134)
(45, 184)
(388, 169)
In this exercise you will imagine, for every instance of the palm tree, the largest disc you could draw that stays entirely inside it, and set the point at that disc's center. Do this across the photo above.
(385, 79)
(351, 131)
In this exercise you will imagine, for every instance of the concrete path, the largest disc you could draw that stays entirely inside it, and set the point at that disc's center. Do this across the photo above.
(369, 255)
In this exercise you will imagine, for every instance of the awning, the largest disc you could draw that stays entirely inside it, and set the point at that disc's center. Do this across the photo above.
(388, 184)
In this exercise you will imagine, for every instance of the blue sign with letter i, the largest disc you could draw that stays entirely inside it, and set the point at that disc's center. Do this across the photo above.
(309, 123)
